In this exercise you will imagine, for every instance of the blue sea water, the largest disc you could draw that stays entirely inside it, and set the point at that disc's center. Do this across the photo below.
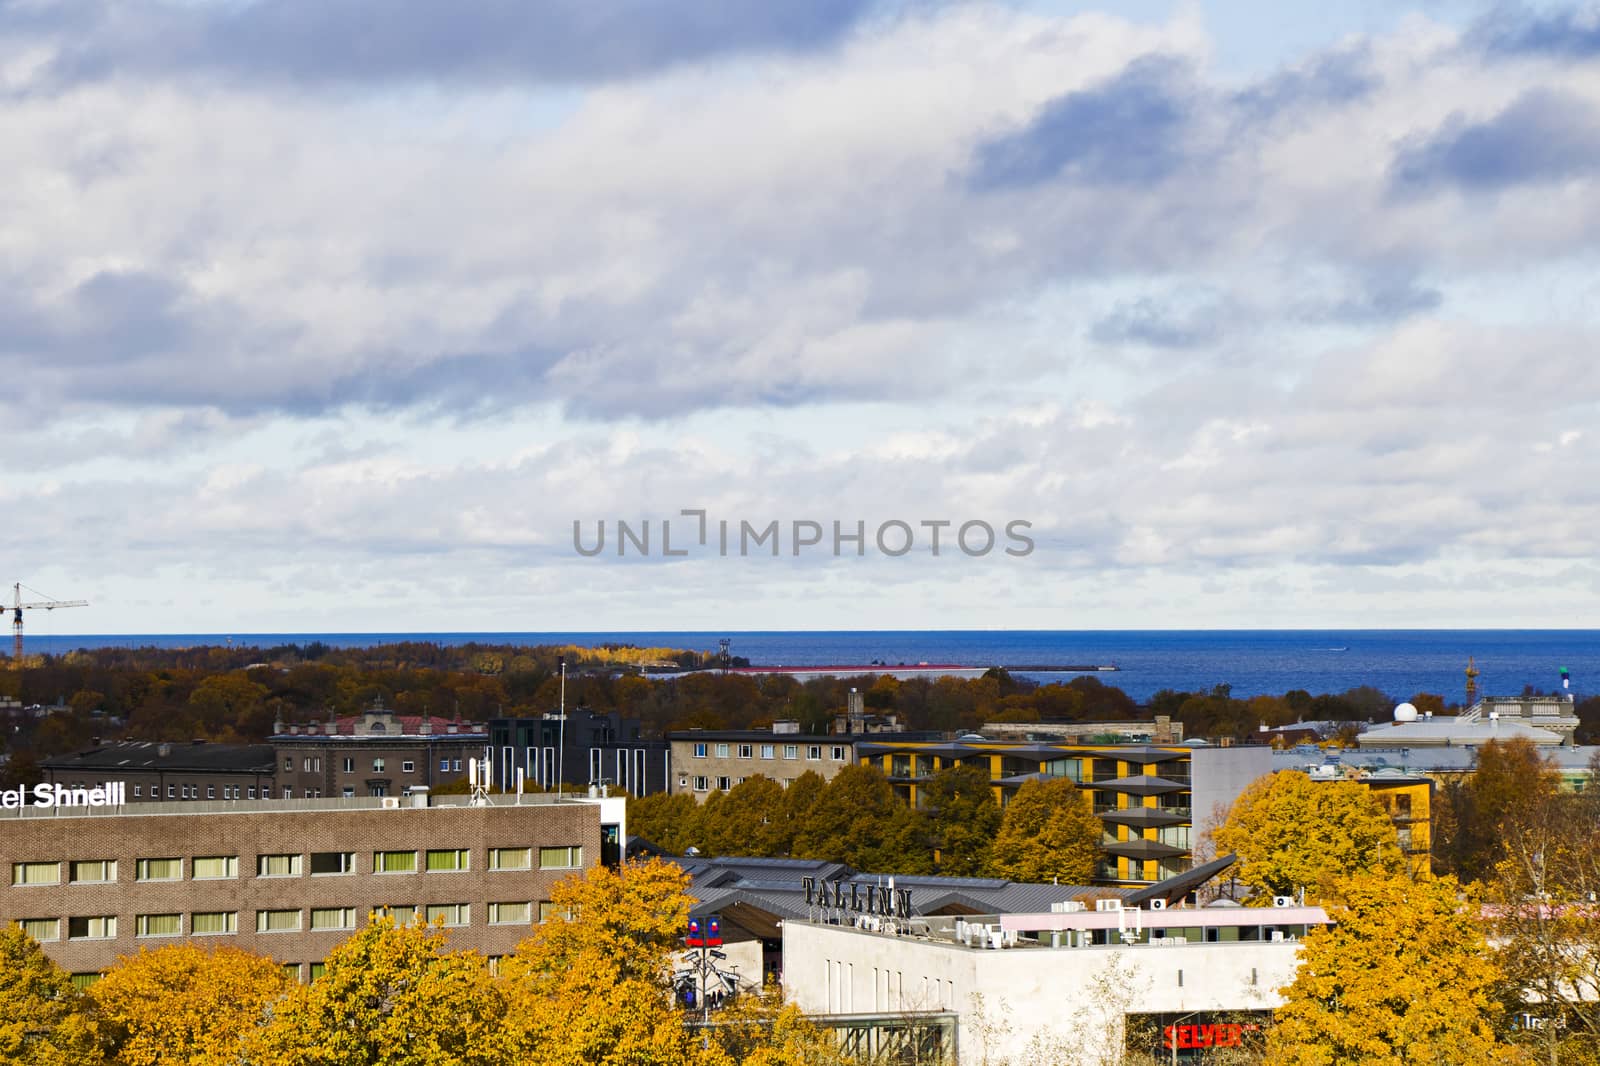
(1398, 662)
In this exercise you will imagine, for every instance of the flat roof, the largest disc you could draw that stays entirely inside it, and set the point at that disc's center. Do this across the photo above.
(195, 756)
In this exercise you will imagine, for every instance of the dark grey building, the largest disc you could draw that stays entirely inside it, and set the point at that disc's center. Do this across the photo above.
(169, 771)
(593, 749)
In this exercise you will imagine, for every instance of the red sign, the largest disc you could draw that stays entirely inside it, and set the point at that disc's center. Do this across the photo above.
(1220, 1034)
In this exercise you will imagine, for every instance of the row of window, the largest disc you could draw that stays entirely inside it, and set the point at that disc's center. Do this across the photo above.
(214, 867)
(322, 919)
(313, 765)
(770, 751)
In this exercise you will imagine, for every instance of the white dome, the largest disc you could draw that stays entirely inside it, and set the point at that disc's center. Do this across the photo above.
(1405, 713)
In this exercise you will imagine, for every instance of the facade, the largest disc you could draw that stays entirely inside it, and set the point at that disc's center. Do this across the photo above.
(1162, 730)
(707, 760)
(156, 772)
(1152, 799)
(378, 753)
(289, 878)
(591, 749)
(1025, 986)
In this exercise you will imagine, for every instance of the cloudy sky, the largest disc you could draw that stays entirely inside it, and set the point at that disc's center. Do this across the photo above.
(327, 315)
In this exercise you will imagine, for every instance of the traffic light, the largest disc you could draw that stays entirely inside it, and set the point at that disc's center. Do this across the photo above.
(696, 937)
(713, 932)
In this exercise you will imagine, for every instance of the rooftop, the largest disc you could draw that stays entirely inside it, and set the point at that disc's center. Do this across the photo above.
(196, 757)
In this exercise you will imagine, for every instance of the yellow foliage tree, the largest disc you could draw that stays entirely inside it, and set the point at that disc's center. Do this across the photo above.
(1291, 832)
(1405, 976)
(591, 986)
(390, 996)
(42, 1017)
(184, 1004)
(761, 1030)
(1048, 832)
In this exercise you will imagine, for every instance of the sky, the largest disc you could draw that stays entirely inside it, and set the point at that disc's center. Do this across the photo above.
(327, 316)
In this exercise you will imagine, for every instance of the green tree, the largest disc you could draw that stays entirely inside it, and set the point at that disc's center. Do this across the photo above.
(1403, 976)
(858, 820)
(42, 1017)
(963, 818)
(1049, 832)
(390, 996)
(671, 821)
(1291, 832)
(747, 820)
(184, 1004)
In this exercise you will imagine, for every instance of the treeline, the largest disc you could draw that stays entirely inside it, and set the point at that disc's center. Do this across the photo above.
(1048, 831)
(592, 989)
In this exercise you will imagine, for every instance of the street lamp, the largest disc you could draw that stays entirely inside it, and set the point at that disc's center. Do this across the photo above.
(1173, 1032)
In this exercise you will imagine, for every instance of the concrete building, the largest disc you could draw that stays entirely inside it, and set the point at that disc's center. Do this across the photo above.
(155, 771)
(377, 753)
(1025, 987)
(588, 749)
(707, 760)
(1152, 799)
(289, 878)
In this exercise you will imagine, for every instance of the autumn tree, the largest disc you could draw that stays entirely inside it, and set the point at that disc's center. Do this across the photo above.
(592, 985)
(1403, 976)
(1291, 832)
(184, 1004)
(860, 821)
(391, 995)
(1510, 781)
(761, 1030)
(42, 1017)
(963, 818)
(1049, 832)
(746, 820)
(669, 820)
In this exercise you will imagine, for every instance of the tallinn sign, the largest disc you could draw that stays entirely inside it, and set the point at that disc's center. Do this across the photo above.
(114, 794)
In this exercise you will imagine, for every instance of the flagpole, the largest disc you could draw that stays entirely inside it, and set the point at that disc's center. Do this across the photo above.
(561, 729)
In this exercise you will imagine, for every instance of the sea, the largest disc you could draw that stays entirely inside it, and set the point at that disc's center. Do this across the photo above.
(1400, 663)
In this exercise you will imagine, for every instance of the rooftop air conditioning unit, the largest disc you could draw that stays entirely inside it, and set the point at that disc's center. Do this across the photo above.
(1283, 901)
(1158, 904)
(1108, 904)
(391, 803)
(1277, 936)
(1070, 906)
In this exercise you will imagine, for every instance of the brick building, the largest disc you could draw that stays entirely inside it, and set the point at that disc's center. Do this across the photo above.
(160, 771)
(290, 878)
(377, 753)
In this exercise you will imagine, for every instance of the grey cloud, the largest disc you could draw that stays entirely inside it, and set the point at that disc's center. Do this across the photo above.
(1129, 130)
(471, 41)
(1345, 76)
(1543, 135)
(1148, 323)
(1518, 30)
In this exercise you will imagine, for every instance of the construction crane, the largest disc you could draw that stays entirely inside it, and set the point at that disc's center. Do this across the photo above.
(17, 607)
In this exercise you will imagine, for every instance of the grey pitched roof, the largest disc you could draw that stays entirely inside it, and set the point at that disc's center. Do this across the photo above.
(196, 757)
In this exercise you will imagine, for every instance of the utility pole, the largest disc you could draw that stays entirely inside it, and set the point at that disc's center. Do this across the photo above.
(561, 729)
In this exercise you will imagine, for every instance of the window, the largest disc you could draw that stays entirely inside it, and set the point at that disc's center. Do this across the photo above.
(348, 792)
(547, 910)
(172, 792)
(93, 871)
(277, 866)
(838, 753)
(288, 765)
(159, 870)
(394, 862)
(745, 751)
(444, 766)
(724, 783)
(700, 750)
(333, 918)
(448, 913)
(332, 862)
(158, 925)
(702, 784)
(318, 969)
(456, 766)
(44, 930)
(722, 751)
(560, 858)
(510, 858)
(377, 766)
(211, 792)
(213, 923)
(402, 913)
(101, 928)
(214, 866)
(138, 790)
(791, 751)
(769, 751)
(505, 914)
(448, 861)
(252, 792)
(288, 793)
(277, 921)
(312, 764)
(349, 766)
(408, 767)
(291, 970)
(84, 981)
(813, 752)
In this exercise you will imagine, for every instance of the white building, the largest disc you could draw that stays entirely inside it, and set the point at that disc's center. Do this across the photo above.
(1029, 988)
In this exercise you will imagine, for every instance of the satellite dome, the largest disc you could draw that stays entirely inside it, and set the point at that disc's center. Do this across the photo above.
(1405, 713)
